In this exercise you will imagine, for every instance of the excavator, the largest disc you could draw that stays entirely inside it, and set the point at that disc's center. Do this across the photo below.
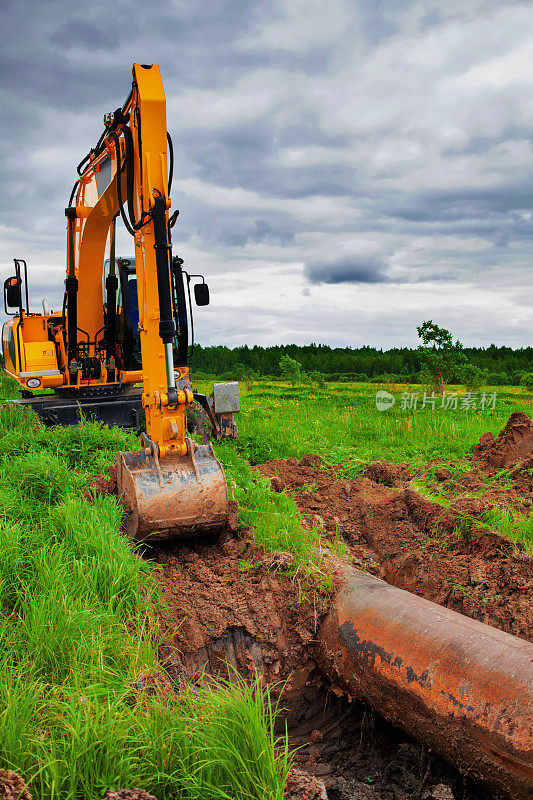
(126, 321)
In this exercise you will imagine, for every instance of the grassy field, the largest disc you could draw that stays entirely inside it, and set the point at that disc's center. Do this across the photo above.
(341, 422)
(76, 602)
(75, 610)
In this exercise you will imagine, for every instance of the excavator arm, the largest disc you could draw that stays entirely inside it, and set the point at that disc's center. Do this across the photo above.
(128, 176)
(171, 486)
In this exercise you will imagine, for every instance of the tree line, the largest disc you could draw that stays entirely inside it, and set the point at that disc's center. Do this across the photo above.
(503, 366)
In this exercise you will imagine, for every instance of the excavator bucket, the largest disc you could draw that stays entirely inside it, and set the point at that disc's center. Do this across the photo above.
(187, 495)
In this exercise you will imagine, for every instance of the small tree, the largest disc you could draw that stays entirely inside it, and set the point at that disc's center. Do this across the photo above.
(498, 379)
(317, 378)
(290, 369)
(526, 380)
(472, 377)
(441, 357)
(239, 371)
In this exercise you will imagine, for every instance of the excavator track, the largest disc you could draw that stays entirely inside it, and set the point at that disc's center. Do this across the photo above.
(110, 408)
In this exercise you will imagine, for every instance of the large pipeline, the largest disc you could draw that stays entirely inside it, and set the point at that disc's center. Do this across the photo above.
(463, 688)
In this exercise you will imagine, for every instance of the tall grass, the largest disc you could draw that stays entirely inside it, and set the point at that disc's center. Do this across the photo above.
(274, 517)
(75, 606)
(214, 743)
(342, 421)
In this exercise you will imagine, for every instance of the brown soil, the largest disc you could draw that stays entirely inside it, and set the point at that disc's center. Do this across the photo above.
(514, 442)
(101, 484)
(499, 474)
(416, 544)
(301, 785)
(388, 474)
(12, 787)
(230, 608)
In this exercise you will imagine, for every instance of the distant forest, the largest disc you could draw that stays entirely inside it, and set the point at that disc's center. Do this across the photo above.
(504, 365)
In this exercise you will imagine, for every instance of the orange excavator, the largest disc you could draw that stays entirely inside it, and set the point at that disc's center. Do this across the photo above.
(125, 321)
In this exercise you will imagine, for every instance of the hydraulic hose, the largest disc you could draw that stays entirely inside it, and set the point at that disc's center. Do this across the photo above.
(71, 286)
(73, 192)
(181, 311)
(170, 162)
(167, 328)
(132, 225)
(94, 151)
(120, 168)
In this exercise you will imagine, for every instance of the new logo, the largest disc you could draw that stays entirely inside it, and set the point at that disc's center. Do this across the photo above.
(384, 400)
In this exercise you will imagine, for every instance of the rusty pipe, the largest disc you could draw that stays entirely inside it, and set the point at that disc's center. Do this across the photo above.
(461, 687)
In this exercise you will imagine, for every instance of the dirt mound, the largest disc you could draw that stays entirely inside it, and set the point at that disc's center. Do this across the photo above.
(301, 785)
(101, 484)
(388, 474)
(229, 605)
(512, 490)
(514, 442)
(418, 545)
(12, 787)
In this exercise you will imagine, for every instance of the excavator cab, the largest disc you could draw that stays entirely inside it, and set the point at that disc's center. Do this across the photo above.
(127, 311)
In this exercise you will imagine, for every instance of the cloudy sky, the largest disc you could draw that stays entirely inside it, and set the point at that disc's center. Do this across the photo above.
(344, 169)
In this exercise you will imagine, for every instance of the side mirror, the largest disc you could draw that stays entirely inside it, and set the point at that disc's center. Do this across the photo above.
(201, 294)
(13, 292)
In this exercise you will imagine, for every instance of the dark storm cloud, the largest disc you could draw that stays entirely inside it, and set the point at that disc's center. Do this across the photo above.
(359, 269)
(190, 40)
(247, 156)
(452, 205)
(348, 269)
(399, 129)
(84, 33)
(501, 216)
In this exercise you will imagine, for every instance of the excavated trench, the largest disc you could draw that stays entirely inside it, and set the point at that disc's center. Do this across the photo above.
(231, 609)
(223, 617)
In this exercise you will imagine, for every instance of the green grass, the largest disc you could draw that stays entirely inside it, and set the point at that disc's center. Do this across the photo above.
(75, 610)
(341, 422)
(215, 742)
(274, 517)
(511, 524)
(508, 522)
